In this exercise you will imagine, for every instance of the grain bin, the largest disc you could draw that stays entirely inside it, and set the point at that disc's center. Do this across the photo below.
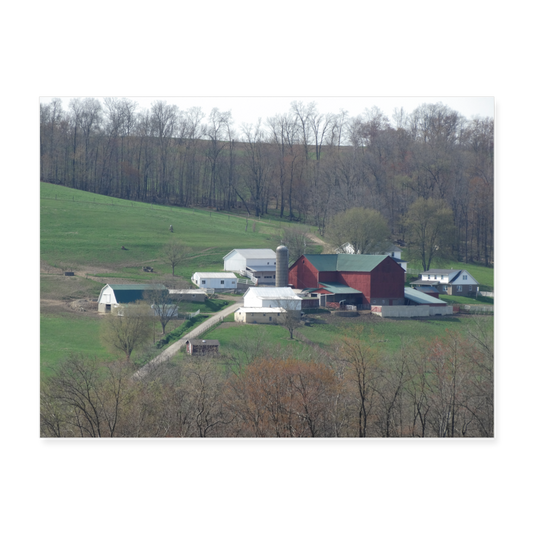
(282, 266)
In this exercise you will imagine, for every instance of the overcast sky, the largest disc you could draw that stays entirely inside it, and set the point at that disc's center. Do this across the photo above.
(248, 109)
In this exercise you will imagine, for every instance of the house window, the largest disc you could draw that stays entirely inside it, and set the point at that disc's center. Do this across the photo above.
(459, 288)
(442, 277)
(470, 288)
(465, 276)
(203, 282)
(222, 282)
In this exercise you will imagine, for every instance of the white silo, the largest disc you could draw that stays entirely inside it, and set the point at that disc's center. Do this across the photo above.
(282, 266)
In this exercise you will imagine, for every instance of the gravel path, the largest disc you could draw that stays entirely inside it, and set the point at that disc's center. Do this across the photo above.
(172, 350)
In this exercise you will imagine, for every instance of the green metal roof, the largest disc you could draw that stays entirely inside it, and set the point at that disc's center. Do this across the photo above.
(339, 288)
(420, 297)
(133, 292)
(345, 262)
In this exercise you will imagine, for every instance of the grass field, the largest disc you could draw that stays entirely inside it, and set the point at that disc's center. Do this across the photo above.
(81, 229)
(63, 334)
(389, 334)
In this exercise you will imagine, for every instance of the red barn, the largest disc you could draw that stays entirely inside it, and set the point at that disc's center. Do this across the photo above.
(350, 278)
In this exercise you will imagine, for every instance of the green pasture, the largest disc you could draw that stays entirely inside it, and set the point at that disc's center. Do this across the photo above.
(389, 334)
(85, 229)
(62, 335)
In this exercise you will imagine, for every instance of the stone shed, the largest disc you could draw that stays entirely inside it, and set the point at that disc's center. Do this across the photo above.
(202, 347)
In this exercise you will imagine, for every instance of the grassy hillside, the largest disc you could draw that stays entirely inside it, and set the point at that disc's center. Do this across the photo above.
(83, 230)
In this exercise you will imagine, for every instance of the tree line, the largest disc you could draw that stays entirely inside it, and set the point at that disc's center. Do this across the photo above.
(438, 388)
(307, 166)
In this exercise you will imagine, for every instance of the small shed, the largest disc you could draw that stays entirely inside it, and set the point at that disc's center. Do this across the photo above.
(202, 347)
(189, 295)
(220, 281)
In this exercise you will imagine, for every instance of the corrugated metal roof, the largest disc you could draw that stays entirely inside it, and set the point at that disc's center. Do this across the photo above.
(273, 293)
(131, 293)
(254, 253)
(198, 342)
(261, 310)
(421, 298)
(345, 262)
(339, 288)
(211, 275)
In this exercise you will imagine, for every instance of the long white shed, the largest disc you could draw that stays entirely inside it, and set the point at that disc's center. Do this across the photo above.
(215, 280)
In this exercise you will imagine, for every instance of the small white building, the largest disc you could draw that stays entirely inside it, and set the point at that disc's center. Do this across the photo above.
(259, 315)
(215, 280)
(272, 297)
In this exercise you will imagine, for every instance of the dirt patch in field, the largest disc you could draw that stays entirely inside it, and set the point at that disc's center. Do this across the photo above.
(82, 307)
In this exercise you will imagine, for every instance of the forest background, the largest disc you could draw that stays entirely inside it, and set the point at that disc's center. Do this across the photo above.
(302, 165)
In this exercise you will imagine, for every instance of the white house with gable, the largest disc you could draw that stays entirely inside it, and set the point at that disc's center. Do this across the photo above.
(448, 281)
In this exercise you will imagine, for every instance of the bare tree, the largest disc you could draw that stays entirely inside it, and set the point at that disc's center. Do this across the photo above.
(295, 239)
(365, 229)
(127, 331)
(164, 306)
(175, 254)
(291, 317)
(429, 226)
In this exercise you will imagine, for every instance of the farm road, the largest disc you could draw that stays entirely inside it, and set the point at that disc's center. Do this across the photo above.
(165, 355)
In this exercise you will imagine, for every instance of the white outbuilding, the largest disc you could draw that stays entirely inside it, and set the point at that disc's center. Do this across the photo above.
(259, 315)
(241, 259)
(258, 264)
(272, 297)
(215, 280)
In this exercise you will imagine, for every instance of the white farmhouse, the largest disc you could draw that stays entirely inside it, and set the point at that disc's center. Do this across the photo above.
(272, 297)
(258, 263)
(446, 281)
(215, 280)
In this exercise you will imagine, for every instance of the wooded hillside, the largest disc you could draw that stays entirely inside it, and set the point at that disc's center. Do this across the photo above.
(302, 165)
